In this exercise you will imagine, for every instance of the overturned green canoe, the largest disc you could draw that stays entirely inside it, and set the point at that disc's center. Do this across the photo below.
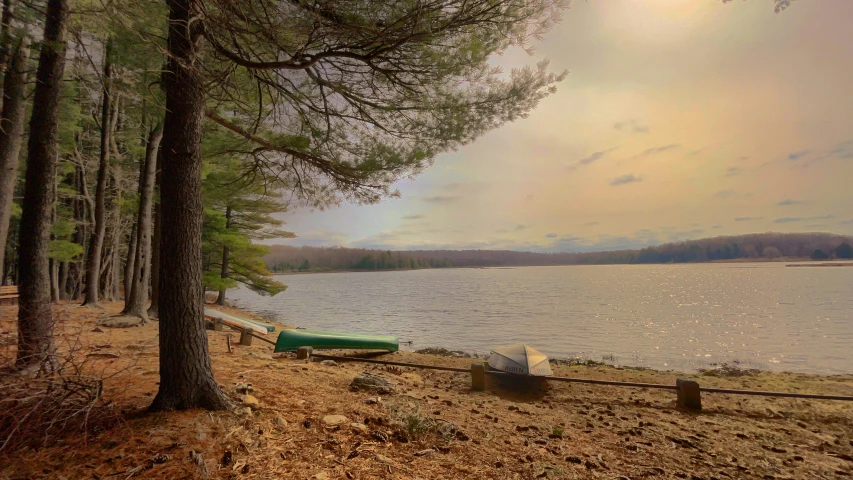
(291, 339)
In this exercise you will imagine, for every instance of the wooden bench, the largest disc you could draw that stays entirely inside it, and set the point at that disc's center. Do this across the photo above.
(9, 293)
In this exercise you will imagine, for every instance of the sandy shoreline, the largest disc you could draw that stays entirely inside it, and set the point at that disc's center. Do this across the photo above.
(434, 426)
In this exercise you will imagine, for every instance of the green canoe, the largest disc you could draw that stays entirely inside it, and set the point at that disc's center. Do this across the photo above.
(291, 339)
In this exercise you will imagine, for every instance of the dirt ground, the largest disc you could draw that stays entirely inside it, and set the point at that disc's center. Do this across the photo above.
(302, 420)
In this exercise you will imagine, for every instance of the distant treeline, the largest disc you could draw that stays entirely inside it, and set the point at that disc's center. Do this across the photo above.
(818, 246)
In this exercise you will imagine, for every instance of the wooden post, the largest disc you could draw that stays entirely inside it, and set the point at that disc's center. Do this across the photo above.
(228, 341)
(689, 396)
(217, 324)
(478, 377)
(303, 353)
(245, 337)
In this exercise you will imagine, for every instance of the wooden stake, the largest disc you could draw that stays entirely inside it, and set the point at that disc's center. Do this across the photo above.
(228, 338)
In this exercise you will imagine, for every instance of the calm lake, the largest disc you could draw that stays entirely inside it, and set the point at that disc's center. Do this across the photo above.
(680, 317)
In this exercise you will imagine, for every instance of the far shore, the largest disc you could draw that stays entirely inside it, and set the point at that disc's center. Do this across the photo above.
(809, 263)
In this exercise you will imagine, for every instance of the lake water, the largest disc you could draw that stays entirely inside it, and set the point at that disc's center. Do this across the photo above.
(680, 317)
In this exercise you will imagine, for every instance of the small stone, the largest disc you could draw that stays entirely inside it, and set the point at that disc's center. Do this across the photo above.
(250, 400)
(334, 419)
(373, 401)
(421, 453)
(243, 411)
(370, 381)
(359, 427)
(320, 476)
(280, 422)
(383, 458)
(97, 330)
(329, 363)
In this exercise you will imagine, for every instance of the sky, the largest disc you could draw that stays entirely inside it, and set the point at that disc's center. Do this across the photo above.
(679, 119)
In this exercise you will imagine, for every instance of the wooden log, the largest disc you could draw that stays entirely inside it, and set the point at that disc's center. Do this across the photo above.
(245, 337)
(689, 395)
(303, 353)
(478, 377)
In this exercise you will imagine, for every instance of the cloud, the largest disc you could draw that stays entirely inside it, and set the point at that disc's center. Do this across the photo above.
(747, 219)
(592, 158)
(631, 126)
(589, 224)
(414, 217)
(846, 222)
(802, 219)
(316, 238)
(794, 156)
(520, 227)
(655, 150)
(789, 201)
(728, 193)
(717, 226)
(733, 171)
(625, 179)
(551, 235)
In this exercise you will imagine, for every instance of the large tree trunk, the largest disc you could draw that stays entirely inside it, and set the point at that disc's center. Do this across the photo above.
(5, 37)
(96, 243)
(186, 377)
(11, 137)
(35, 319)
(135, 304)
(220, 300)
(63, 280)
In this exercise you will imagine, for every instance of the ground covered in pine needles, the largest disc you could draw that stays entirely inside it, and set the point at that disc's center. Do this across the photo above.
(301, 420)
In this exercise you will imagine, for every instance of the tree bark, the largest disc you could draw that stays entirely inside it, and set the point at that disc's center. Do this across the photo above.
(63, 280)
(35, 318)
(11, 136)
(153, 308)
(54, 280)
(96, 243)
(186, 376)
(129, 266)
(5, 37)
(220, 300)
(135, 304)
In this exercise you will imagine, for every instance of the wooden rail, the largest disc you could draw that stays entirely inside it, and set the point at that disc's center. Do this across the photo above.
(688, 391)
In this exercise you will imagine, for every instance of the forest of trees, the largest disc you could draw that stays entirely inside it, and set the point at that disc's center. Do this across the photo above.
(143, 158)
(764, 246)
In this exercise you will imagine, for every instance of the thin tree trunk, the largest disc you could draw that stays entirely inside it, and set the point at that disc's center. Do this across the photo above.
(135, 304)
(153, 308)
(11, 136)
(54, 280)
(63, 280)
(129, 261)
(115, 239)
(5, 37)
(186, 376)
(223, 274)
(35, 318)
(96, 243)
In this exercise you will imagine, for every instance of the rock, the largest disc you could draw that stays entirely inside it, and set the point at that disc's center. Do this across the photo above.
(329, 363)
(280, 422)
(359, 427)
(251, 401)
(373, 401)
(334, 419)
(243, 411)
(97, 330)
(383, 458)
(373, 382)
(120, 322)
(421, 453)
(320, 476)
